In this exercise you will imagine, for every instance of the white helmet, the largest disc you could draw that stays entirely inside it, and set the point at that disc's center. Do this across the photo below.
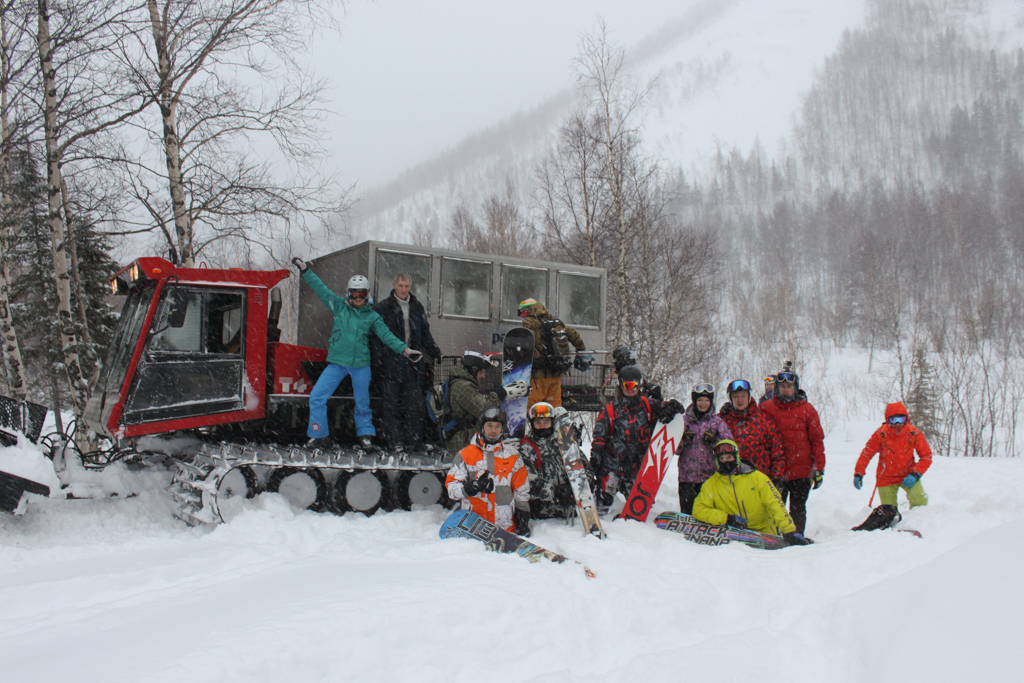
(358, 282)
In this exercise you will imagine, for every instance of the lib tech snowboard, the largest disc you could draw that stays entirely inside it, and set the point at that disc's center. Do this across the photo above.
(516, 364)
(466, 524)
(716, 534)
(655, 466)
(576, 469)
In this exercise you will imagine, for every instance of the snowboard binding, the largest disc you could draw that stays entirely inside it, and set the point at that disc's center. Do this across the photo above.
(882, 517)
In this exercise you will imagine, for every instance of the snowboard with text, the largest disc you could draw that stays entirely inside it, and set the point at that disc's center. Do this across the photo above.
(652, 472)
(516, 364)
(576, 471)
(466, 524)
(702, 533)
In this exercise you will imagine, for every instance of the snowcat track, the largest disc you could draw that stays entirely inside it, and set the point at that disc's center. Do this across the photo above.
(196, 487)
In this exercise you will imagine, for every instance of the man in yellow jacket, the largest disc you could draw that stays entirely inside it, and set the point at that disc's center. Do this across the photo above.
(740, 496)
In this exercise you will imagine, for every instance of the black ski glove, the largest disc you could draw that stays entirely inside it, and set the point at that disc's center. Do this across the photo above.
(688, 436)
(470, 487)
(669, 409)
(300, 264)
(796, 538)
(521, 517)
(484, 482)
(736, 521)
(817, 478)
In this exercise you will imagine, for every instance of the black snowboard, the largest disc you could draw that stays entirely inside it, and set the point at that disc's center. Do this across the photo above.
(516, 364)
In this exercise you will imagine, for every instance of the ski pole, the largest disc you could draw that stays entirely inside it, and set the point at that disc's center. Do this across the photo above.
(870, 502)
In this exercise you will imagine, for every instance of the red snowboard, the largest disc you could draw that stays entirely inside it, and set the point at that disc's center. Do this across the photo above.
(652, 472)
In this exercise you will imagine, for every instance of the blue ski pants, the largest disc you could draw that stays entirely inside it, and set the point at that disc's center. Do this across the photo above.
(325, 386)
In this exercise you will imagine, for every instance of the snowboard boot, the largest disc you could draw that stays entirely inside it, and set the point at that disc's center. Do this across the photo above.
(882, 517)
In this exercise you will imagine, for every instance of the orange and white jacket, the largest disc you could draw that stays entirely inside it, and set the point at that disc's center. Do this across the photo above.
(511, 486)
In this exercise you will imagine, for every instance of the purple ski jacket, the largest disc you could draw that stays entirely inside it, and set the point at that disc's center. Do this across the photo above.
(696, 458)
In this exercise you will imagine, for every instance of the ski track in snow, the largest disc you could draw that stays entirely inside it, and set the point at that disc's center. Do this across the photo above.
(119, 590)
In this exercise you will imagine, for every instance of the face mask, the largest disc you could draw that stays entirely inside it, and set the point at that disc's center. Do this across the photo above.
(727, 467)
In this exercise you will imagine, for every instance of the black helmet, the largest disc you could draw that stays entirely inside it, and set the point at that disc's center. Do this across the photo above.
(623, 356)
(492, 415)
(788, 375)
(474, 362)
(703, 389)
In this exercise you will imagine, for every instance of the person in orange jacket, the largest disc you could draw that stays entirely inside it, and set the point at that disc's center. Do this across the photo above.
(490, 478)
(895, 443)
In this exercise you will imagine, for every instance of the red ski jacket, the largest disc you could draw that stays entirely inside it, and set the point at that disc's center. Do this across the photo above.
(803, 440)
(759, 441)
(895, 447)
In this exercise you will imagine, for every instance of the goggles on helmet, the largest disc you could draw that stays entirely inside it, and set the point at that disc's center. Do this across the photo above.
(542, 410)
(704, 389)
(770, 379)
(726, 449)
(630, 385)
(739, 385)
(358, 293)
(786, 377)
(898, 420)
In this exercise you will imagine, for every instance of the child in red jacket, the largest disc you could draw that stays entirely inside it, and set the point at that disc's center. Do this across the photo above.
(895, 442)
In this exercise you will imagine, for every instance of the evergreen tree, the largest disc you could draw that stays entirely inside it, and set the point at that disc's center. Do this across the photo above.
(95, 268)
(922, 401)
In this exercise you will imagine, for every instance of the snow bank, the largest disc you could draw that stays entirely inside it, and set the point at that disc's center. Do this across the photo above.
(118, 590)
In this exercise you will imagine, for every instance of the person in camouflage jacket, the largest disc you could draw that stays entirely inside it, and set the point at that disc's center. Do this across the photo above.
(622, 433)
(703, 429)
(467, 400)
(550, 491)
(754, 432)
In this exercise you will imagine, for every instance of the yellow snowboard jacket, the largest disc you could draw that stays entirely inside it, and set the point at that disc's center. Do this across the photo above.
(746, 493)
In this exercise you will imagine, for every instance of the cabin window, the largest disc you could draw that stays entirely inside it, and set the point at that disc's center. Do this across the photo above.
(519, 283)
(391, 263)
(466, 288)
(579, 299)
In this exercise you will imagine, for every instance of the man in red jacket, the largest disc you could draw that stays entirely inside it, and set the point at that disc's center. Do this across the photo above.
(803, 442)
(895, 442)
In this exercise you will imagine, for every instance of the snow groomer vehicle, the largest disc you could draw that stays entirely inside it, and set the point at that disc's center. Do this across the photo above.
(198, 352)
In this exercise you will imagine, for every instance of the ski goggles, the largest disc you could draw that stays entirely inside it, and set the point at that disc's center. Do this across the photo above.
(770, 379)
(786, 377)
(739, 385)
(726, 449)
(898, 420)
(704, 388)
(630, 385)
(358, 293)
(541, 411)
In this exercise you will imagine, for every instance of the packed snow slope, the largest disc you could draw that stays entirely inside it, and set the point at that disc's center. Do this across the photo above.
(118, 590)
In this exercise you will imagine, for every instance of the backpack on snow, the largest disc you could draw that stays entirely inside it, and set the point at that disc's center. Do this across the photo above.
(440, 411)
(556, 354)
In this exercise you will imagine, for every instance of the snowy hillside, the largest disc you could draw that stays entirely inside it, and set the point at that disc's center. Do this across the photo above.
(727, 74)
(118, 590)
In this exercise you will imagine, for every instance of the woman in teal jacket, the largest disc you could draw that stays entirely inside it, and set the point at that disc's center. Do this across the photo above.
(348, 352)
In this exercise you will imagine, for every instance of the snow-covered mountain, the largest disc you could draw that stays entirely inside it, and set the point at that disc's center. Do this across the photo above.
(726, 74)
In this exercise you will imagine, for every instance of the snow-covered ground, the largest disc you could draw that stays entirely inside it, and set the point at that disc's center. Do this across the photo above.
(119, 590)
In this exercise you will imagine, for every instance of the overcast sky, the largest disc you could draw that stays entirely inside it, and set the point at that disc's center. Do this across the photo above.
(410, 77)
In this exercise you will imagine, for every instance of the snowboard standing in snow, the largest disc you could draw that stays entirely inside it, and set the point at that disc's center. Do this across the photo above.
(715, 534)
(652, 472)
(516, 364)
(576, 470)
(466, 524)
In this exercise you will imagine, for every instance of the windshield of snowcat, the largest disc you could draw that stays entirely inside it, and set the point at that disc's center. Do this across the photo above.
(126, 336)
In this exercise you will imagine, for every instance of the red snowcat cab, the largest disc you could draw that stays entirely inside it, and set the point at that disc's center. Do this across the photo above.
(197, 350)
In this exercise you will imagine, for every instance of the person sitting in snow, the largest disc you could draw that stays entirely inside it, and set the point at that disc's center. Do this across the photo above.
(489, 477)
(895, 443)
(550, 492)
(742, 497)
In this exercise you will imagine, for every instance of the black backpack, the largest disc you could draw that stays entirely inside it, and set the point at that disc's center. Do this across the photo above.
(556, 354)
(440, 411)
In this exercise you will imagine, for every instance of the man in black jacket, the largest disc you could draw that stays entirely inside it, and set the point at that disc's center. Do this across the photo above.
(401, 382)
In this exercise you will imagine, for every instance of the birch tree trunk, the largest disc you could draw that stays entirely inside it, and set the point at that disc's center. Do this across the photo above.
(79, 389)
(172, 148)
(12, 350)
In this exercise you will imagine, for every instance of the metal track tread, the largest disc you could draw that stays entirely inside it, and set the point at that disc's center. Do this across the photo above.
(196, 486)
